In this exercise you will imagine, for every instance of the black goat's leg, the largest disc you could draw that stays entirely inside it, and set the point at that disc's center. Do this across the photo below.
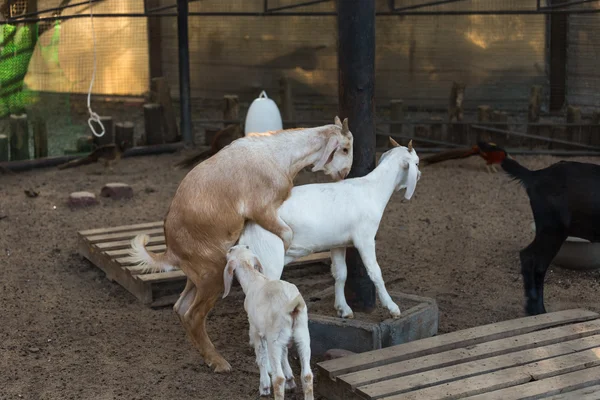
(535, 260)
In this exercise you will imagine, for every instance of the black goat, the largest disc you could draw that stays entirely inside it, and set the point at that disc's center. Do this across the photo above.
(565, 201)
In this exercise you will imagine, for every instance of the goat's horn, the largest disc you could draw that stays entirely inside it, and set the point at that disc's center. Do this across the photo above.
(393, 142)
(410, 148)
(345, 128)
(337, 121)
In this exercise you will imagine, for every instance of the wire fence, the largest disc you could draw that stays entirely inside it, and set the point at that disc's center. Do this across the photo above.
(498, 50)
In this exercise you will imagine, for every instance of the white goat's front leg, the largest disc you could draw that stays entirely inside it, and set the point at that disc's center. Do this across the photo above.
(262, 360)
(339, 270)
(366, 249)
(290, 384)
(275, 349)
(302, 340)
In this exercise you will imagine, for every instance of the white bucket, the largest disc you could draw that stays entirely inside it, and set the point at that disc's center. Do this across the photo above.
(263, 116)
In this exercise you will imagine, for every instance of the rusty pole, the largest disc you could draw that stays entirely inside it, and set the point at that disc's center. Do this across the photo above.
(356, 86)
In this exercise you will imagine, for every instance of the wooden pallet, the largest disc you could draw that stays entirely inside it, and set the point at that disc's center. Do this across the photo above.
(107, 248)
(549, 356)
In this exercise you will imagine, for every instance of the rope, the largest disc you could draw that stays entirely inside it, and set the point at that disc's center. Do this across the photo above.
(93, 116)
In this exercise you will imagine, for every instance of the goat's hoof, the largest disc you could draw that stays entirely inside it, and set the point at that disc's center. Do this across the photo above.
(221, 367)
(265, 390)
(344, 312)
(290, 384)
(395, 313)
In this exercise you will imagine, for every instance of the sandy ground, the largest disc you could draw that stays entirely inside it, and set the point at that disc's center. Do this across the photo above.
(66, 332)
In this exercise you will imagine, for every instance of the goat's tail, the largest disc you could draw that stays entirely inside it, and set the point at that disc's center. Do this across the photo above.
(294, 307)
(516, 170)
(149, 261)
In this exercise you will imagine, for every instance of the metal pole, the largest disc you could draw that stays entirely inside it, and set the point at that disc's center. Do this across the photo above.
(356, 86)
(184, 72)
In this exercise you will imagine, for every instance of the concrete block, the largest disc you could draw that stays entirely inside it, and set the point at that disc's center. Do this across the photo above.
(419, 320)
(117, 191)
(81, 199)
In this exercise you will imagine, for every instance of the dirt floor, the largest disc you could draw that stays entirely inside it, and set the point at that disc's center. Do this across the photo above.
(66, 332)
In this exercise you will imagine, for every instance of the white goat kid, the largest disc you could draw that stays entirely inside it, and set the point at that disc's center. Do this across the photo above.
(277, 314)
(333, 216)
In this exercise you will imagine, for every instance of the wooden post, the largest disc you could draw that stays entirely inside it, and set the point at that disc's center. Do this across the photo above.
(185, 91)
(595, 130)
(3, 148)
(84, 144)
(153, 132)
(484, 114)
(501, 116)
(575, 133)
(457, 133)
(422, 132)
(109, 132)
(231, 108)
(356, 89)
(535, 103)
(19, 137)
(124, 133)
(154, 39)
(557, 38)
(161, 94)
(457, 97)
(40, 138)
(533, 115)
(209, 135)
(288, 113)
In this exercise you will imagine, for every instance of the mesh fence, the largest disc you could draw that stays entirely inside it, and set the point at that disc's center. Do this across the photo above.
(45, 68)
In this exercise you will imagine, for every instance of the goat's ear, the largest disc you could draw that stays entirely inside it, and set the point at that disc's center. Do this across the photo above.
(258, 266)
(411, 180)
(327, 154)
(393, 143)
(337, 121)
(228, 274)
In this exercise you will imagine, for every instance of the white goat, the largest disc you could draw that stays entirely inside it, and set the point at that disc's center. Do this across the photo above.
(333, 216)
(276, 313)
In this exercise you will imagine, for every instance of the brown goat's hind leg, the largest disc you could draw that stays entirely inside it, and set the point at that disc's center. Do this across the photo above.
(271, 222)
(208, 290)
(181, 307)
(184, 301)
(535, 260)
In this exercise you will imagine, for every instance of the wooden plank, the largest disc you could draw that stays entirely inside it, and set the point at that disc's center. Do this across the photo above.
(473, 368)
(177, 273)
(160, 248)
(161, 276)
(449, 341)
(137, 269)
(114, 272)
(123, 228)
(506, 378)
(547, 387)
(311, 259)
(477, 352)
(588, 393)
(124, 244)
(108, 237)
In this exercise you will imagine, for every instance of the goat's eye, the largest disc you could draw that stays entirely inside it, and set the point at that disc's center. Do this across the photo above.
(345, 151)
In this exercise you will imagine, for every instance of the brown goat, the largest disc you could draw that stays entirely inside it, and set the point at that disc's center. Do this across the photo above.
(247, 180)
